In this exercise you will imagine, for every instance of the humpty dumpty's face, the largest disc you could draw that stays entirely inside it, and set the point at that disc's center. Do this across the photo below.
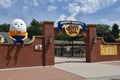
(18, 25)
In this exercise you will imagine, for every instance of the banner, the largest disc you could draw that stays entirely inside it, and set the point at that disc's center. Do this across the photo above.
(108, 49)
(61, 23)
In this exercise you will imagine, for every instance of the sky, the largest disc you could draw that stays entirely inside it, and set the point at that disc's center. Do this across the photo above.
(87, 11)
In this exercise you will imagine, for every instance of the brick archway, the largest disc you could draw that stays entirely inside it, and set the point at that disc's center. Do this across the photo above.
(88, 36)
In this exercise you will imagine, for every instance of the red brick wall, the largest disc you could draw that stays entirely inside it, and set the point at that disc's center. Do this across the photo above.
(20, 56)
(97, 57)
(93, 49)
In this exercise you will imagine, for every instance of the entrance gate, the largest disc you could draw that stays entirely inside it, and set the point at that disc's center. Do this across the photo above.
(70, 48)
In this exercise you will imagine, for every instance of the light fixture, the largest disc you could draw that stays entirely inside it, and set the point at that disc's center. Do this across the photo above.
(94, 40)
(50, 40)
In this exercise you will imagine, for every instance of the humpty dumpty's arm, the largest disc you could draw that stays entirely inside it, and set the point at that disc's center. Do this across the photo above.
(26, 36)
(11, 37)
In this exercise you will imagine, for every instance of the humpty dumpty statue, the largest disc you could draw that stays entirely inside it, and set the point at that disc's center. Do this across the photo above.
(18, 32)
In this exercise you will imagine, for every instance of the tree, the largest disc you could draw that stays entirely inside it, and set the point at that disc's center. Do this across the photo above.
(105, 32)
(61, 37)
(109, 38)
(35, 28)
(102, 29)
(115, 30)
(4, 27)
(66, 37)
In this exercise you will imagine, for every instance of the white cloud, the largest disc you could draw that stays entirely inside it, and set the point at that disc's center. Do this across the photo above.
(62, 17)
(86, 6)
(6, 3)
(51, 1)
(35, 2)
(117, 9)
(32, 2)
(62, 0)
(90, 6)
(71, 18)
(25, 9)
(73, 9)
(114, 0)
(51, 8)
(109, 21)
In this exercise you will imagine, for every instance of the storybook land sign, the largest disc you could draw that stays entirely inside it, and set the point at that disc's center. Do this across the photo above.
(108, 49)
(72, 28)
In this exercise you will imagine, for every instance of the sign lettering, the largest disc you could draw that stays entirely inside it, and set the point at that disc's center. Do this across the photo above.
(77, 23)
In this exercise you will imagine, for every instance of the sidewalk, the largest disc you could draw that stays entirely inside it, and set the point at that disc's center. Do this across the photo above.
(109, 70)
(37, 73)
(65, 69)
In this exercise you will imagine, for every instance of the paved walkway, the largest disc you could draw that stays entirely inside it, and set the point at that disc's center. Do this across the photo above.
(109, 70)
(65, 69)
(37, 73)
